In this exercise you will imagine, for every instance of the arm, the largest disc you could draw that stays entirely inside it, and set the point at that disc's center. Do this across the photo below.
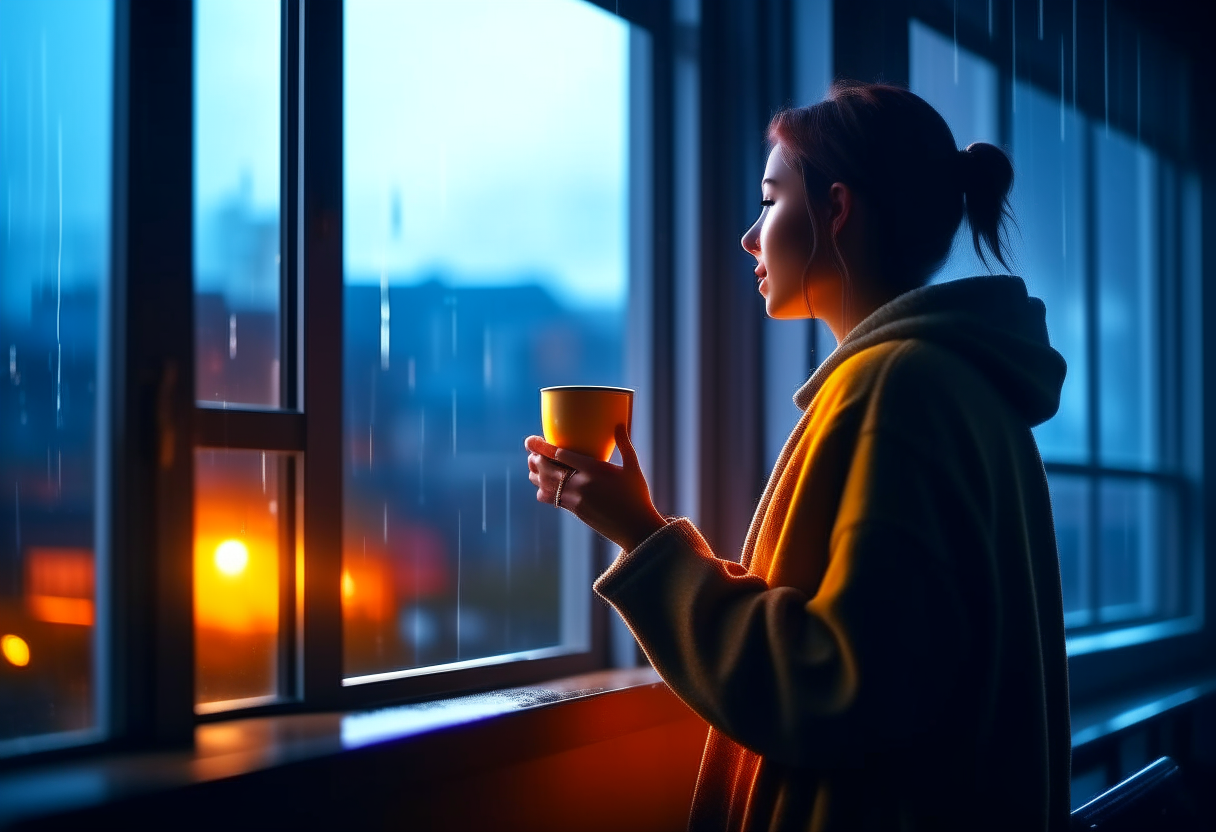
(822, 680)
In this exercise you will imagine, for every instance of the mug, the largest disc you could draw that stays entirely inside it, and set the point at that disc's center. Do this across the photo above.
(583, 418)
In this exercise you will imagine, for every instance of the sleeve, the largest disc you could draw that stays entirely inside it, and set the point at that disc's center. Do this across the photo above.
(823, 681)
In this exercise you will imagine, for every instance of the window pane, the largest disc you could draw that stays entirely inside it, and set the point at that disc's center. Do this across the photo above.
(236, 201)
(55, 127)
(962, 87)
(240, 546)
(1070, 510)
(1128, 306)
(486, 257)
(1130, 526)
(1048, 203)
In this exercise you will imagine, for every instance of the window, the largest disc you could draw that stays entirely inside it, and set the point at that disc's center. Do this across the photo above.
(491, 242)
(55, 111)
(245, 533)
(1099, 238)
(486, 257)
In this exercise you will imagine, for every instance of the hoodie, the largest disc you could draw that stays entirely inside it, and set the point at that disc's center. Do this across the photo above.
(888, 652)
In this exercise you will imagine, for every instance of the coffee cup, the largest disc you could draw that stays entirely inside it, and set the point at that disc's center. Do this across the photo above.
(584, 418)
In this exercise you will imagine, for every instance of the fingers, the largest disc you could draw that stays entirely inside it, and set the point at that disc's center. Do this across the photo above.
(546, 474)
(629, 456)
(577, 461)
(538, 445)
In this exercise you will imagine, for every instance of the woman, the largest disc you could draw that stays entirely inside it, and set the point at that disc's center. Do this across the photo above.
(889, 651)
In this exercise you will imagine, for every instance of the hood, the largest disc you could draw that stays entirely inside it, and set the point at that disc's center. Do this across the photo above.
(991, 322)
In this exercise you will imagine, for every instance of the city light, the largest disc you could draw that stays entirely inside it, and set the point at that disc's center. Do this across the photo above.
(15, 650)
(231, 557)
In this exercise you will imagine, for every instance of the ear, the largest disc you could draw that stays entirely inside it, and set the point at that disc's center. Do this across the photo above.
(841, 198)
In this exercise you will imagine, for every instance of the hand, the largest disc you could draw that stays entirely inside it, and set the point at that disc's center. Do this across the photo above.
(613, 500)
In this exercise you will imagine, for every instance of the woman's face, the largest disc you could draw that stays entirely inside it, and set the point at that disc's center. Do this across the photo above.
(781, 240)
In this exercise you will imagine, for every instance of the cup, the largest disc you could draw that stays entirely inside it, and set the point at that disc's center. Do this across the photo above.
(584, 418)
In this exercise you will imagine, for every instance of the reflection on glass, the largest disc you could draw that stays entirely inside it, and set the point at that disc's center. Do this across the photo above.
(236, 201)
(1070, 511)
(485, 211)
(1128, 310)
(1129, 521)
(962, 87)
(1048, 202)
(238, 541)
(55, 128)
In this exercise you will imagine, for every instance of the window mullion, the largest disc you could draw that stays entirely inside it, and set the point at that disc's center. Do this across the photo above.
(148, 608)
(1093, 554)
(289, 228)
(320, 232)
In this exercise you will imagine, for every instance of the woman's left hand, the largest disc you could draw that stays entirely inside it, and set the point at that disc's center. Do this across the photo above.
(613, 500)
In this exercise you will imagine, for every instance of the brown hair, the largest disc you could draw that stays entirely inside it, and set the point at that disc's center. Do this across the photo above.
(898, 153)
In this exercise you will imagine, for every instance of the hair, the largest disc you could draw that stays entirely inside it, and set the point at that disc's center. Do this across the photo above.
(899, 155)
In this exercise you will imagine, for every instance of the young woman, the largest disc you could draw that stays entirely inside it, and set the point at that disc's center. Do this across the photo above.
(888, 653)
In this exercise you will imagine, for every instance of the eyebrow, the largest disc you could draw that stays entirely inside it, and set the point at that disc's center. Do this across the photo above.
(769, 181)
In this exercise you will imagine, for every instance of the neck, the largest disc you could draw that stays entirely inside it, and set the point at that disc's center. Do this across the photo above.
(848, 302)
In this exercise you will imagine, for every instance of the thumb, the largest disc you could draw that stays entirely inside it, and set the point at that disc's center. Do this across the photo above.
(629, 457)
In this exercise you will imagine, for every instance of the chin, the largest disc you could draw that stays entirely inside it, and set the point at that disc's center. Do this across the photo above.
(784, 311)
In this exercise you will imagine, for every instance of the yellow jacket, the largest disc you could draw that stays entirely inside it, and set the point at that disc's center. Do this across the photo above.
(889, 652)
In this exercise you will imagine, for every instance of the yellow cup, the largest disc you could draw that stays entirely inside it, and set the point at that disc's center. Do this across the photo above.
(584, 419)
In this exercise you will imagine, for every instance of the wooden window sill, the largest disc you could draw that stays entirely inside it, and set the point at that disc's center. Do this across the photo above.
(433, 741)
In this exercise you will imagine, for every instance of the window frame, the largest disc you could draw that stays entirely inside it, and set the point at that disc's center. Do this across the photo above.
(150, 423)
(310, 424)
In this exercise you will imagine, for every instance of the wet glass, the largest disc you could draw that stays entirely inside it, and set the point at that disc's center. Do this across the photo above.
(56, 113)
(1128, 308)
(1048, 202)
(485, 257)
(1070, 497)
(1130, 525)
(239, 546)
(962, 87)
(236, 202)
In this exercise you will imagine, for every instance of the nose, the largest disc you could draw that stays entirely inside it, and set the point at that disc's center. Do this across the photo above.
(751, 239)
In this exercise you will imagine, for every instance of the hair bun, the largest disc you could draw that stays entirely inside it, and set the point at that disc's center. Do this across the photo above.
(986, 176)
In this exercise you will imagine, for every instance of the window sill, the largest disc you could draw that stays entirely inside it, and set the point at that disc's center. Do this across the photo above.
(1081, 645)
(432, 741)
(1103, 721)
(443, 741)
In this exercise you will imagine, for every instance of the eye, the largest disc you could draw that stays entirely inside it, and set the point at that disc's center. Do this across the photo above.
(765, 203)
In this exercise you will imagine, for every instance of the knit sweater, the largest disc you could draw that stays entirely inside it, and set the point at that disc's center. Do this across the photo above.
(888, 653)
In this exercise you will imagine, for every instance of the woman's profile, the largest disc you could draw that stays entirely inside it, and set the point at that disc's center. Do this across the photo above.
(888, 651)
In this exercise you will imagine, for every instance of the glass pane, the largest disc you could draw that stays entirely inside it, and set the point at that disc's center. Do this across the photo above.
(239, 555)
(1130, 526)
(55, 126)
(1070, 510)
(1048, 202)
(236, 201)
(1128, 305)
(486, 253)
(962, 87)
